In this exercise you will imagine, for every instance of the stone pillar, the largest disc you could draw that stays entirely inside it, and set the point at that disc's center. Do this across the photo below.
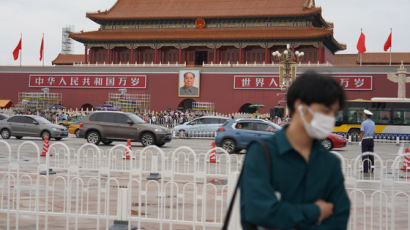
(85, 54)
(401, 79)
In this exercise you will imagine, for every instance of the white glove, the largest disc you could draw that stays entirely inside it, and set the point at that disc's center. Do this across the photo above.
(360, 143)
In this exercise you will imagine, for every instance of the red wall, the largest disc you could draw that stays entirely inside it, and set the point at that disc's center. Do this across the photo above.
(163, 88)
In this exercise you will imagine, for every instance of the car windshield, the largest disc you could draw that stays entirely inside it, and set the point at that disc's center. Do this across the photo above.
(42, 120)
(136, 118)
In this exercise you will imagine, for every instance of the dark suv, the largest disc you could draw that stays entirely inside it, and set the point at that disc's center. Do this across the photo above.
(109, 126)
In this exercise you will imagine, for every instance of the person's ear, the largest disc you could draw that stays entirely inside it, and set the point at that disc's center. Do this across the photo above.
(296, 105)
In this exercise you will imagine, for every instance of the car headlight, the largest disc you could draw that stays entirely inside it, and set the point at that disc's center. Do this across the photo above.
(160, 130)
(54, 129)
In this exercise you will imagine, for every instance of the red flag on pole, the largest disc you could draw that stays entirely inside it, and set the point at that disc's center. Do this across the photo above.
(361, 46)
(42, 48)
(17, 50)
(387, 44)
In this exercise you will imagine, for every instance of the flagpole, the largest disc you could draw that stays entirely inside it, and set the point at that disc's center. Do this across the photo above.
(391, 33)
(21, 49)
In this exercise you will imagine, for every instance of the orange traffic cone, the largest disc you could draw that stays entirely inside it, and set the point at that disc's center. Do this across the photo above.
(406, 163)
(212, 154)
(127, 156)
(45, 147)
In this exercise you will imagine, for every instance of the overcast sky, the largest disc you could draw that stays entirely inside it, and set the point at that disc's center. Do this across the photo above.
(33, 18)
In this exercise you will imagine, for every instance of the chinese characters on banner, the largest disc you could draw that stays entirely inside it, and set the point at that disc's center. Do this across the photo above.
(355, 82)
(88, 81)
(256, 82)
(272, 82)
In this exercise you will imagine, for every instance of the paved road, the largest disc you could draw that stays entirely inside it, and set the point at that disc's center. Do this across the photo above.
(75, 143)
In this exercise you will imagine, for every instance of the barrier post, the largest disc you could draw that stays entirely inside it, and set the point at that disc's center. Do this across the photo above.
(123, 210)
(154, 174)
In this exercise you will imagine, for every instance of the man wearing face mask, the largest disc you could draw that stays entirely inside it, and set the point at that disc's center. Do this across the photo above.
(304, 187)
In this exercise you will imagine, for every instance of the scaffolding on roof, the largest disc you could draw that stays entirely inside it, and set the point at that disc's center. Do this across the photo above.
(130, 102)
(66, 41)
(38, 100)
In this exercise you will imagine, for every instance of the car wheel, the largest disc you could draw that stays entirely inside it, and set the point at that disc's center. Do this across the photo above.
(229, 145)
(58, 138)
(5, 134)
(19, 137)
(93, 137)
(45, 134)
(77, 133)
(327, 143)
(355, 134)
(182, 134)
(147, 139)
(106, 142)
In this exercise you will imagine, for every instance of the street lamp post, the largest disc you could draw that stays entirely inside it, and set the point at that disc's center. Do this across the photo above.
(287, 67)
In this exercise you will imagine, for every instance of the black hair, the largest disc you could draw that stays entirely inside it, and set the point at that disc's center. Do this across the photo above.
(312, 87)
(188, 73)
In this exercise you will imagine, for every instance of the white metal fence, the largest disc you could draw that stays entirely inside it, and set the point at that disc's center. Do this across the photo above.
(93, 188)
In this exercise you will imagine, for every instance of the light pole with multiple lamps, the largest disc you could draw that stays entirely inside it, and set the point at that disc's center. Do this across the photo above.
(287, 69)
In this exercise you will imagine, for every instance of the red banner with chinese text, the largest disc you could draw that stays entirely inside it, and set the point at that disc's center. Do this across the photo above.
(88, 81)
(272, 82)
(355, 82)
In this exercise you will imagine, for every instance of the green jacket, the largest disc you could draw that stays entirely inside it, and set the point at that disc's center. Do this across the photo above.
(287, 201)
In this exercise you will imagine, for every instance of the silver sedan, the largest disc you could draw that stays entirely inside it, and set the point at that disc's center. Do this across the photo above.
(31, 126)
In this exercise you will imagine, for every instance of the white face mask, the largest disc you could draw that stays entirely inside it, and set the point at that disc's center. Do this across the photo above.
(321, 125)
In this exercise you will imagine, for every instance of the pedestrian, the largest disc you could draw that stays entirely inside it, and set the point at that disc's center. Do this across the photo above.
(299, 184)
(184, 119)
(153, 119)
(367, 143)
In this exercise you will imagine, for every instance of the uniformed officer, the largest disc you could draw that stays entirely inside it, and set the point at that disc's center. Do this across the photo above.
(367, 142)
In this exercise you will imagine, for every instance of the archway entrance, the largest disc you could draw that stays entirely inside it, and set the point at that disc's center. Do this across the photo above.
(245, 108)
(87, 106)
(201, 57)
(186, 104)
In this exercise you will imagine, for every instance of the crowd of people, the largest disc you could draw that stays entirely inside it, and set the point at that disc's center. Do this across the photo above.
(169, 118)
